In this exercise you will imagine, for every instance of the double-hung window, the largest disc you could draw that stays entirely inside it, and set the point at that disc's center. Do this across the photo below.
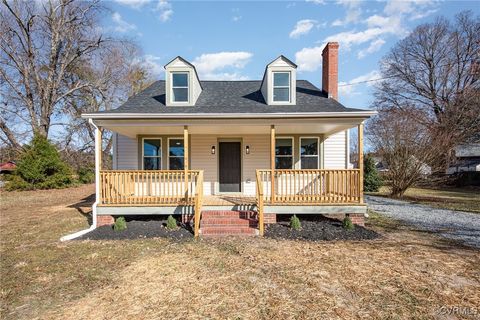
(281, 86)
(309, 153)
(152, 154)
(176, 154)
(283, 153)
(180, 87)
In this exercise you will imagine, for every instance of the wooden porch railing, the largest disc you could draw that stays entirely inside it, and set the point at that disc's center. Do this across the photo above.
(198, 203)
(148, 187)
(311, 186)
(259, 198)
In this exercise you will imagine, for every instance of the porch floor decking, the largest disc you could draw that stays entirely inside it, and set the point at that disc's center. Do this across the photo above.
(228, 200)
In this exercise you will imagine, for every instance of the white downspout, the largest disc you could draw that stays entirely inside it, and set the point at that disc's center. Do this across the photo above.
(98, 150)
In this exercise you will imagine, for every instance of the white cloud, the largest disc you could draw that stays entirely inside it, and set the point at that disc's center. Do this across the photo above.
(352, 15)
(302, 27)
(316, 1)
(121, 25)
(152, 64)
(164, 10)
(213, 65)
(350, 88)
(135, 4)
(309, 59)
(373, 47)
(236, 18)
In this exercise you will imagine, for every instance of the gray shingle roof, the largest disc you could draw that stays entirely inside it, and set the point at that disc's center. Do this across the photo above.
(231, 97)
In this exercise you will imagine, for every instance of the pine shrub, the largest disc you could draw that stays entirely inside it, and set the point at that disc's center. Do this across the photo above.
(295, 223)
(86, 175)
(40, 167)
(120, 224)
(371, 179)
(348, 224)
(171, 223)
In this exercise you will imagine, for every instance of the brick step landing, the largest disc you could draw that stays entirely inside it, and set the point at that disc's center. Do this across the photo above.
(228, 223)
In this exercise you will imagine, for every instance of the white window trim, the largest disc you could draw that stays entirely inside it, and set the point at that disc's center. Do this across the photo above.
(293, 151)
(280, 87)
(143, 151)
(172, 100)
(300, 151)
(168, 150)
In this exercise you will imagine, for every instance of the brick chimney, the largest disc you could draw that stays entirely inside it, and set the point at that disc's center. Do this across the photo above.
(330, 70)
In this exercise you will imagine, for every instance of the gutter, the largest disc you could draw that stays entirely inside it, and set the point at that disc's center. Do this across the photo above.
(94, 207)
(357, 114)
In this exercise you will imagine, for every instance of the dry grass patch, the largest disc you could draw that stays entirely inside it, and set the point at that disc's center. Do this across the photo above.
(462, 199)
(406, 274)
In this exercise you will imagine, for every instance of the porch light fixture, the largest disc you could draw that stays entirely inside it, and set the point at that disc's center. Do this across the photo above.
(213, 149)
(247, 149)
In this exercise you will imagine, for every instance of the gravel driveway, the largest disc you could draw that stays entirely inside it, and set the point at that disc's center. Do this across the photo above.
(457, 225)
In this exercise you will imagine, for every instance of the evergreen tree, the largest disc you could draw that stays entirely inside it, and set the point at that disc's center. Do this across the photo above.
(371, 180)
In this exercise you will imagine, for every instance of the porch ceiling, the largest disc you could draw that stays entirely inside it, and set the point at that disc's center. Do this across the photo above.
(134, 127)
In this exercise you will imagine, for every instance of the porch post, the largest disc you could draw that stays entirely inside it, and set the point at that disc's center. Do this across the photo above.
(185, 158)
(272, 162)
(98, 167)
(360, 160)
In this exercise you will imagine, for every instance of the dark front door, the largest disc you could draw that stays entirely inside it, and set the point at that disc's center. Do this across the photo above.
(230, 164)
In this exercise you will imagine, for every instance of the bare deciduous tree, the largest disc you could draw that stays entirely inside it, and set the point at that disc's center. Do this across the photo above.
(434, 70)
(398, 136)
(41, 43)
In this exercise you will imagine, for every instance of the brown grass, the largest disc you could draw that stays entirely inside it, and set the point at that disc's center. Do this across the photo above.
(407, 274)
(463, 199)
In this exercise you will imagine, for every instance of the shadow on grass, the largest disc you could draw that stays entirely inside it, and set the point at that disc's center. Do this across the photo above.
(388, 225)
(84, 207)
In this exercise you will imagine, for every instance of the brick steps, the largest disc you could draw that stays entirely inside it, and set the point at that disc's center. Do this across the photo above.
(228, 223)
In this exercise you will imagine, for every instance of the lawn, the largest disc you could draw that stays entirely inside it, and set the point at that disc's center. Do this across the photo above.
(463, 199)
(406, 274)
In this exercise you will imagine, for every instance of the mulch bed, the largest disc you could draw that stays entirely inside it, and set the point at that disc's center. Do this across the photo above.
(317, 228)
(140, 228)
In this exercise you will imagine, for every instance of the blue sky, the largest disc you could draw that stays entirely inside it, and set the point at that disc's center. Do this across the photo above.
(235, 40)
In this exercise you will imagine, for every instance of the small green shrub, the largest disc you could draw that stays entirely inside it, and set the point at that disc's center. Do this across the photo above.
(40, 167)
(86, 175)
(171, 223)
(371, 179)
(295, 223)
(120, 224)
(348, 224)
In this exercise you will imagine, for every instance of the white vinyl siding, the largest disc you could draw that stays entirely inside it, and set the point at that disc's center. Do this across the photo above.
(126, 150)
(335, 151)
(259, 158)
(202, 159)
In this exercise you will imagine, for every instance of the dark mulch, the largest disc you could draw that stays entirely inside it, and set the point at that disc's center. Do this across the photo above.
(317, 228)
(139, 227)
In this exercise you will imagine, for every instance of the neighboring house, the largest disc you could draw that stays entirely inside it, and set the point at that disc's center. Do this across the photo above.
(467, 158)
(7, 167)
(200, 148)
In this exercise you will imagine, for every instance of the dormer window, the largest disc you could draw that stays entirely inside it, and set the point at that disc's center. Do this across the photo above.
(179, 86)
(280, 82)
(281, 86)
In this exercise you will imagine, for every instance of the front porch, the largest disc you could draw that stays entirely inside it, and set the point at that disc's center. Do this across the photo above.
(271, 191)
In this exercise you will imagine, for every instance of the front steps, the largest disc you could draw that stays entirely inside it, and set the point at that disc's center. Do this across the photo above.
(216, 223)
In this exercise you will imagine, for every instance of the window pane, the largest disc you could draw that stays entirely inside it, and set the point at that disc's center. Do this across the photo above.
(281, 79)
(180, 94)
(176, 163)
(175, 147)
(283, 162)
(151, 147)
(152, 163)
(283, 147)
(309, 162)
(281, 94)
(180, 79)
(309, 147)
